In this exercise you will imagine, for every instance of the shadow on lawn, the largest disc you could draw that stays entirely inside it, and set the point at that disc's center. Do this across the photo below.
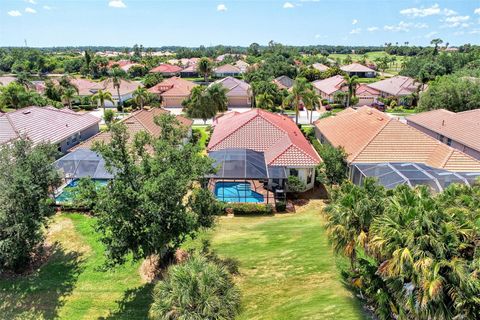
(41, 294)
(134, 304)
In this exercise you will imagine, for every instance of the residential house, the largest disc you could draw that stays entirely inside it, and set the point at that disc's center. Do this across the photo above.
(123, 93)
(320, 67)
(6, 80)
(459, 130)
(283, 82)
(366, 95)
(397, 86)
(222, 57)
(189, 72)
(327, 88)
(167, 70)
(239, 93)
(62, 127)
(395, 153)
(282, 145)
(142, 120)
(125, 65)
(173, 91)
(86, 87)
(226, 70)
(242, 65)
(359, 70)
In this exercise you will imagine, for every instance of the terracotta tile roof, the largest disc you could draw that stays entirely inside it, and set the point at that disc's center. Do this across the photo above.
(371, 136)
(320, 67)
(463, 127)
(227, 68)
(125, 65)
(6, 80)
(283, 82)
(174, 86)
(86, 87)
(142, 120)
(329, 85)
(166, 68)
(43, 124)
(190, 69)
(396, 86)
(235, 87)
(365, 90)
(275, 135)
(356, 67)
(126, 87)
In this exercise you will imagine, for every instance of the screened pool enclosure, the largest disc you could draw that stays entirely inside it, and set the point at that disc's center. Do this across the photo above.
(242, 175)
(82, 163)
(392, 174)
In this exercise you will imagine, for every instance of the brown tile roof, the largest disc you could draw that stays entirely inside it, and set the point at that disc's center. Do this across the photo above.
(43, 124)
(320, 67)
(396, 86)
(370, 136)
(275, 135)
(235, 87)
(166, 68)
(174, 86)
(329, 85)
(142, 120)
(6, 80)
(463, 127)
(227, 68)
(86, 87)
(356, 67)
(126, 87)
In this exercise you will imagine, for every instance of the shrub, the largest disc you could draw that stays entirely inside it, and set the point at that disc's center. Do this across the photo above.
(249, 208)
(295, 185)
(196, 289)
(281, 206)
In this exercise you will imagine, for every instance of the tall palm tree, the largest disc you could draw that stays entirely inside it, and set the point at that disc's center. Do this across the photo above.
(116, 77)
(140, 95)
(264, 101)
(204, 67)
(299, 89)
(351, 83)
(22, 78)
(310, 101)
(100, 97)
(218, 97)
(68, 95)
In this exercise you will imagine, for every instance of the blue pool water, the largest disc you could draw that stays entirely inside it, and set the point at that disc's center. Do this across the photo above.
(67, 195)
(236, 192)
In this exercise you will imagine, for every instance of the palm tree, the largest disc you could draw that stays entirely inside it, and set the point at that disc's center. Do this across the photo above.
(218, 97)
(310, 101)
(68, 95)
(299, 89)
(436, 43)
(100, 97)
(265, 101)
(140, 95)
(204, 67)
(22, 79)
(116, 77)
(196, 289)
(351, 83)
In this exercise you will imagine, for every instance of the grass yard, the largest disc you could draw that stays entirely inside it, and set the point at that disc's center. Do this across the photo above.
(204, 135)
(288, 271)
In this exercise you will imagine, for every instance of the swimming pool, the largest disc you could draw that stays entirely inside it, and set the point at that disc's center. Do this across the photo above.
(236, 192)
(67, 193)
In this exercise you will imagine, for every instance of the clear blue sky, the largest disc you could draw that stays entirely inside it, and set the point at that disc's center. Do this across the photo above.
(236, 22)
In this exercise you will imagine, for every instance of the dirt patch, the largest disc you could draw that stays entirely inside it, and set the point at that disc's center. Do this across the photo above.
(149, 269)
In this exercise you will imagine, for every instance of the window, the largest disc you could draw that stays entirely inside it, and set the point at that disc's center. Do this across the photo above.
(294, 172)
(449, 141)
(309, 175)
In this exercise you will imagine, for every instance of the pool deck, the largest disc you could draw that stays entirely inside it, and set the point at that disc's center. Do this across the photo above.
(256, 185)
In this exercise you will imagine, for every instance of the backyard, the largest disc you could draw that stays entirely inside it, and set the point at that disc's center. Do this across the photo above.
(287, 270)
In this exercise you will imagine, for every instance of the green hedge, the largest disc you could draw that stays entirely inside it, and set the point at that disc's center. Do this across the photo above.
(248, 209)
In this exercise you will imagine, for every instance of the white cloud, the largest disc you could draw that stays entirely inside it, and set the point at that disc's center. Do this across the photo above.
(47, 8)
(476, 11)
(355, 31)
(221, 7)
(431, 34)
(31, 1)
(405, 26)
(14, 13)
(288, 5)
(30, 10)
(475, 31)
(420, 26)
(117, 4)
(354, 21)
(456, 22)
(372, 29)
(449, 12)
(421, 12)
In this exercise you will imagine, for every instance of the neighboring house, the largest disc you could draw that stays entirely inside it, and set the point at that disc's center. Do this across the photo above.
(126, 90)
(173, 91)
(359, 70)
(125, 65)
(239, 93)
(283, 82)
(6, 80)
(366, 95)
(320, 67)
(222, 57)
(86, 87)
(143, 120)
(381, 146)
(326, 88)
(397, 86)
(276, 136)
(167, 70)
(227, 70)
(189, 72)
(242, 65)
(459, 130)
(62, 127)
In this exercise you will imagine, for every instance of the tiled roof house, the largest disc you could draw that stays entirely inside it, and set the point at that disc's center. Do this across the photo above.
(173, 91)
(239, 92)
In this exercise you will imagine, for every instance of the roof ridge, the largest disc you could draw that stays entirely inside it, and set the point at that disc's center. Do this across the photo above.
(448, 157)
(373, 137)
(13, 126)
(234, 131)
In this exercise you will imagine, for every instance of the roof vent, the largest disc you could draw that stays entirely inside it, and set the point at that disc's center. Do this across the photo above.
(443, 123)
(369, 112)
(379, 118)
(27, 112)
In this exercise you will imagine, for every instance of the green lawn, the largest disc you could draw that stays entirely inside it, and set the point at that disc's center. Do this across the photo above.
(288, 271)
(204, 134)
